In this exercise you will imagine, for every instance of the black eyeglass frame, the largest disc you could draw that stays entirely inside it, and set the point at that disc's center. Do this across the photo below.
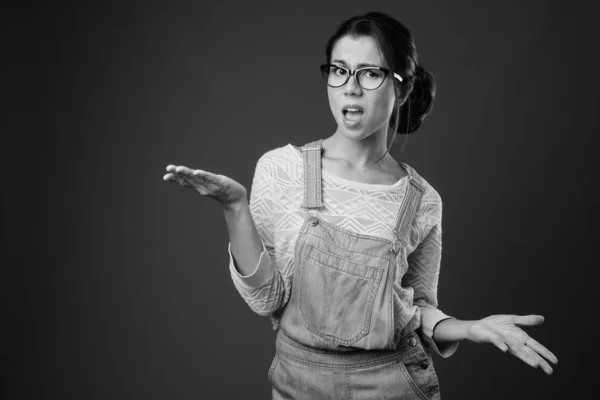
(324, 72)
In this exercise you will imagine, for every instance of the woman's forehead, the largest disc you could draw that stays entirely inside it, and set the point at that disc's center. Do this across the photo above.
(352, 51)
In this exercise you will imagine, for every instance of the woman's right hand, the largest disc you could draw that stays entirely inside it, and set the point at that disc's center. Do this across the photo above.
(219, 187)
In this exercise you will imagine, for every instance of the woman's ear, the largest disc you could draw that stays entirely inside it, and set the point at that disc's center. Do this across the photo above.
(400, 100)
(401, 95)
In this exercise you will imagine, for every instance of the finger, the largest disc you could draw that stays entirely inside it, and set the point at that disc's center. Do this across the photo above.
(531, 358)
(175, 178)
(204, 175)
(185, 174)
(547, 368)
(170, 177)
(536, 361)
(171, 168)
(529, 320)
(543, 364)
(183, 170)
(524, 354)
(497, 341)
(540, 349)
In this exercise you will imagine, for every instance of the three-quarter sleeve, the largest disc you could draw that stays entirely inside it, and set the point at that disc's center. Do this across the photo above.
(263, 289)
(422, 275)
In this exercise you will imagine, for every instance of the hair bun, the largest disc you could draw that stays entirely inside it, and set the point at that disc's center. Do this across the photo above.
(419, 102)
(419, 71)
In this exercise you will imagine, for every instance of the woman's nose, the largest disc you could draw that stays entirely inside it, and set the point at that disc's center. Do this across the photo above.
(352, 86)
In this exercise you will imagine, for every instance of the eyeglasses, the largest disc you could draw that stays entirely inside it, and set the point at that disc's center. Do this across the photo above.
(368, 78)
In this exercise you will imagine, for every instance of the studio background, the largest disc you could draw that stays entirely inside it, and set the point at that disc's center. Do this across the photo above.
(117, 283)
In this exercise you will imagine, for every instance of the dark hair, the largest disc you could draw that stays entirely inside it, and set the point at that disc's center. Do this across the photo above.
(416, 92)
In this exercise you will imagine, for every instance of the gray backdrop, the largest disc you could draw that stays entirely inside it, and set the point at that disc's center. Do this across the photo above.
(117, 283)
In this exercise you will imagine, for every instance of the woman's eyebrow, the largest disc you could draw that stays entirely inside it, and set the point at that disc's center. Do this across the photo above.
(360, 65)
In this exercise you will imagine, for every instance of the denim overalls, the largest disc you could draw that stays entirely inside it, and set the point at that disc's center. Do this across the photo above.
(336, 337)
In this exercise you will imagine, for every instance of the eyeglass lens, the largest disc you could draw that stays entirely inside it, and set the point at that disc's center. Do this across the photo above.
(368, 78)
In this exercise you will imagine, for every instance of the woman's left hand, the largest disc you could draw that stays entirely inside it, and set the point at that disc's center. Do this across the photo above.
(503, 332)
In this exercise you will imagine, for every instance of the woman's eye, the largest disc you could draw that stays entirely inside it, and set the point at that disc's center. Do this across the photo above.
(339, 71)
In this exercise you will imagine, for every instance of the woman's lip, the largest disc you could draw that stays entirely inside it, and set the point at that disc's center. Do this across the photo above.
(345, 108)
(345, 112)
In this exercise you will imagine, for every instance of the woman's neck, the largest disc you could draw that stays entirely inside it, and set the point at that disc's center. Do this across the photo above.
(358, 154)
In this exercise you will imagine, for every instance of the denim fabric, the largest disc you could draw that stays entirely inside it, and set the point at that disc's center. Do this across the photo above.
(303, 372)
(336, 338)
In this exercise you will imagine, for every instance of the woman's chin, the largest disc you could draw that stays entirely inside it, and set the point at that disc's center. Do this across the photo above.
(354, 134)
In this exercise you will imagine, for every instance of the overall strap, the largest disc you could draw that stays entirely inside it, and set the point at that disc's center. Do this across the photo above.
(410, 205)
(311, 155)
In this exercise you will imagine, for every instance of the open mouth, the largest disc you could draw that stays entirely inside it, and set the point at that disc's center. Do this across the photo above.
(353, 114)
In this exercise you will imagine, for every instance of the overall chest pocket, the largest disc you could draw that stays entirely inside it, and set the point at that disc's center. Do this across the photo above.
(337, 295)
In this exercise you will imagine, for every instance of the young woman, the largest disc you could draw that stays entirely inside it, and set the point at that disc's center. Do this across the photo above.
(341, 245)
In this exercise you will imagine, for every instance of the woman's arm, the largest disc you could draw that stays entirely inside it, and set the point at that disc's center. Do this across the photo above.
(451, 330)
(245, 243)
(423, 275)
(252, 262)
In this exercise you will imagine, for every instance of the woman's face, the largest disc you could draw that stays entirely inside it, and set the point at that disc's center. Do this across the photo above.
(377, 104)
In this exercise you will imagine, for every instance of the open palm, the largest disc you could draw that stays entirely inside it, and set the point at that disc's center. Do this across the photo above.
(219, 187)
(503, 332)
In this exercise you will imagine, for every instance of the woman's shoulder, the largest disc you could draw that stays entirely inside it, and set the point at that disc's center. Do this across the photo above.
(286, 152)
(279, 160)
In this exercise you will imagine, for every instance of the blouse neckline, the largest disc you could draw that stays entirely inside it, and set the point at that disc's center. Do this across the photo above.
(361, 184)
